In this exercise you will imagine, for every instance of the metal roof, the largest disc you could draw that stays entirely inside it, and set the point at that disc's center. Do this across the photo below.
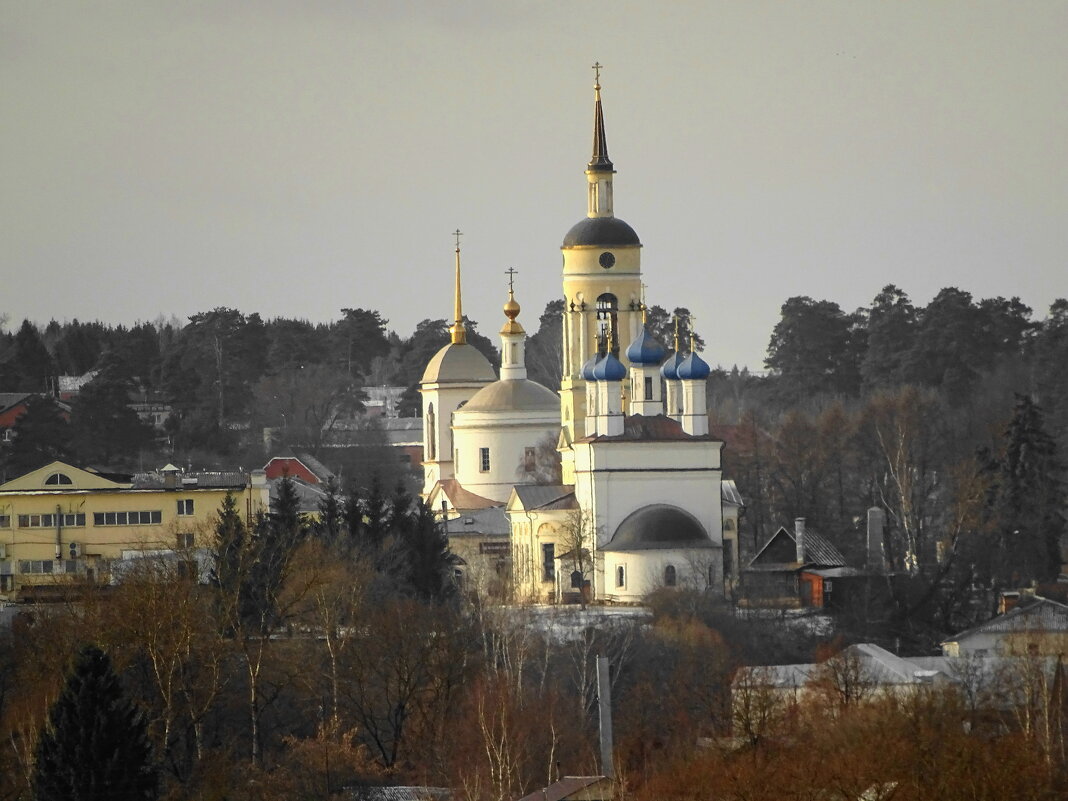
(492, 521)
(546, 496)
(1042, 614)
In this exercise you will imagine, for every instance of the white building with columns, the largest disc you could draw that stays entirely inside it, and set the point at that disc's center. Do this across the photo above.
(640, 502)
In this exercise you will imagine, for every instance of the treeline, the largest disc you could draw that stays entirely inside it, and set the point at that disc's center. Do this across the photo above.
(951, 418)
(227, 376)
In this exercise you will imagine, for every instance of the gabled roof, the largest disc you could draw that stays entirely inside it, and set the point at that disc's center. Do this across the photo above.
(544, 497)
(728, 491)
(1041, 614)
(817, 550)
(458, 497)
(591, 788)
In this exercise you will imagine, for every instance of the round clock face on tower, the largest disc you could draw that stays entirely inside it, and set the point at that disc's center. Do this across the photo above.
(606, 260)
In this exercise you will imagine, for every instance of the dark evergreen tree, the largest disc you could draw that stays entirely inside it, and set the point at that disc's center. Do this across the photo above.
(353, 520)
(331, 520)
(891, 328)
(96, 746)
(814, 349)
(231, 540)
(105, 429)
(400, 508)
(40, 436)
(544, 352)
(357, 339)
(428, 564)
(32, 362)
(1030, 498)
(275, 540)
(375, 518)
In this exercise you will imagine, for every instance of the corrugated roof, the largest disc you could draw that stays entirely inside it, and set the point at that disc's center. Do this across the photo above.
(205, 480)
(1042, 614)
(816, 550)
(401, 793)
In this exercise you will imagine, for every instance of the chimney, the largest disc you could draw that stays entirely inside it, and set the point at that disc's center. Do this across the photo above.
(604, 707)
(799, 538)
(876, 533)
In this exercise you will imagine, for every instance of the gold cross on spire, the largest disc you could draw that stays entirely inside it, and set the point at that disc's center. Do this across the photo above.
(642, 305)
(457, 234)
(510, 272)
(597, 67)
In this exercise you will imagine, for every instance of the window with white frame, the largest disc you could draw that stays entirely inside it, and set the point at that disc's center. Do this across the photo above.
(185, 507)
(58, 478)
(51, 521)
(483, 460)
(145, 518)
(186, 539)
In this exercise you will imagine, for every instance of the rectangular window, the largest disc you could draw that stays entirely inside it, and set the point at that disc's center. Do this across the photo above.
(35, 566)
(5, 521)
(186, 539)
(146, 518)
(495, 548)
(648, 387)
(51, 521)
(185, 507)
(530, 459)
(728, 558)
(548, 562)
(483, 460)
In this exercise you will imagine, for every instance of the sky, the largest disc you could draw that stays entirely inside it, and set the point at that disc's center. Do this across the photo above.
(296, 158)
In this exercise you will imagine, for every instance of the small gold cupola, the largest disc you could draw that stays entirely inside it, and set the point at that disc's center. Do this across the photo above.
(513, 337)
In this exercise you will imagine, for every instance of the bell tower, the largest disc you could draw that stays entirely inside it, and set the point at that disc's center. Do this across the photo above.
(602, 279)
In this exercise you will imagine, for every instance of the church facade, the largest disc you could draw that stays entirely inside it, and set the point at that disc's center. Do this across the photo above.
(640, 501)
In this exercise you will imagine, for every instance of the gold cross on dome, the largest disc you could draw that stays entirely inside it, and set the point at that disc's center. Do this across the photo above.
(597, 67)
(457, 234)
(510, 272)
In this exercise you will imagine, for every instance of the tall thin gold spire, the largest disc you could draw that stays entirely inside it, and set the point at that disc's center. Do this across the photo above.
(599, 162)
(458, 331)
(676, 334)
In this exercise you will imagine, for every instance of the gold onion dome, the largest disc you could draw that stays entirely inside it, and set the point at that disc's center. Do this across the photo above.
(511, 311)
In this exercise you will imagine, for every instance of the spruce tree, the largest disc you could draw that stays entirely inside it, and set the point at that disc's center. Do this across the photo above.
(425, 559)
(230, 543)
(331, 514)
(96, 746)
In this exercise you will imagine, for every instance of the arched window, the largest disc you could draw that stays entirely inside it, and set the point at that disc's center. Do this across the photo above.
(621, 576)
(670, 579)
(607, 308)
(431, 434)
(58, 478)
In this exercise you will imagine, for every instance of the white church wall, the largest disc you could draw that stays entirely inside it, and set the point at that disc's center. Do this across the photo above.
(507, 439)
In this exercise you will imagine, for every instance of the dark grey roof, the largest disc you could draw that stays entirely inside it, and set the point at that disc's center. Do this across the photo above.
(659, 526)
(603, 231)
(578, 786)
(188, 481)
(479, 521)
(9, 399)
(818, 551)
(309, 496)
(546, 496)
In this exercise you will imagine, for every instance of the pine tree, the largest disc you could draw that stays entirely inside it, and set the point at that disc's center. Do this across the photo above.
(96, 745)
(375, 518)
(353, 517)
(41, 435)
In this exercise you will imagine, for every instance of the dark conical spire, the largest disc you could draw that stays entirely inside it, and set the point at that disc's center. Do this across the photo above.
(600, 161)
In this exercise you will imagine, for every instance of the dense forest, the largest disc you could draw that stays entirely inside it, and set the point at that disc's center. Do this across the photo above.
(340, 654)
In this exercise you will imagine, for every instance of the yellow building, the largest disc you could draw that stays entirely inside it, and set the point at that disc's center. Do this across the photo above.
(62, 522)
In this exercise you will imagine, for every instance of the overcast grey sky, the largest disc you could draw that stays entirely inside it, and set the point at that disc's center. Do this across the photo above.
(292, 158)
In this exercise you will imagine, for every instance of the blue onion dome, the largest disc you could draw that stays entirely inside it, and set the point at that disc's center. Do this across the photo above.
(587, 369)
(693, 368)
(670, 368)
(609, 369)
(645, 349)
